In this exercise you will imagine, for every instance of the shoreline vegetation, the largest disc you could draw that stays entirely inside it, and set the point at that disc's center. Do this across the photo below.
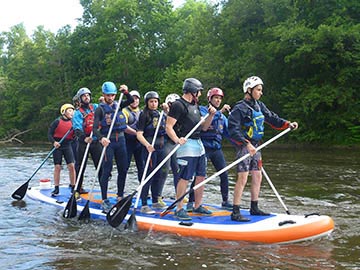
(306, 52)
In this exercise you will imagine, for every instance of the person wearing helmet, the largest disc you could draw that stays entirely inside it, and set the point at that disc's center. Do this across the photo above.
(76, 101)
(183, 116)
(115, 145)
(133, 146)
(148, 121)
(83, 122)
(246, 129)
(58, 129)
(212, 141)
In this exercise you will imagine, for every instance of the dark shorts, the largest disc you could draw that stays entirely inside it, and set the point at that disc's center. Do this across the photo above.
(191, 166)
(253, 163)
(68, 154)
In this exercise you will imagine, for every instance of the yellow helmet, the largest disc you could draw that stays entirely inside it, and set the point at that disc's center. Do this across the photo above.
(65, 107)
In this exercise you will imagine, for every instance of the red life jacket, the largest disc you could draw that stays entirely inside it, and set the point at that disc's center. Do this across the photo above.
(88, 122)
(62, 128)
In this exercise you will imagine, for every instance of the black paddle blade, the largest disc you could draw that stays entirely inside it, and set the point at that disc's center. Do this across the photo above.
(119, 211)
(85, 213)
(131, 224)
(70, 210)
(21, 191)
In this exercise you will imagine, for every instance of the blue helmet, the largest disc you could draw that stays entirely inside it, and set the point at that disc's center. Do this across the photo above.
(109, 88)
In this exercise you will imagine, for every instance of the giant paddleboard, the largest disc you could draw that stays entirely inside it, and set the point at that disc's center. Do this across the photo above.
(276, 228)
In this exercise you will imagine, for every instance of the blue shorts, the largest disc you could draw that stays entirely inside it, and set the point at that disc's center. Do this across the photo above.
(191, 166)
(253, 163)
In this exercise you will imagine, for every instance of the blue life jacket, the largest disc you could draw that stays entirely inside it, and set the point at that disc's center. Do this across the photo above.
(254, 129)
(213, 136)
(109, 111)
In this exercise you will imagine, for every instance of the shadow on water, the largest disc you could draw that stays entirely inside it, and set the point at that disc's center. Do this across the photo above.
(36, 236)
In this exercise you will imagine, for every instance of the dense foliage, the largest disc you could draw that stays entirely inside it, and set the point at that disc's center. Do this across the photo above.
(307, 53)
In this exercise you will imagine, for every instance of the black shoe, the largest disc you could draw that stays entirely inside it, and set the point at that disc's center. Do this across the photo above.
(72, 188)
(238, 217)
(258, 212)
(55, 192)
(83, 191)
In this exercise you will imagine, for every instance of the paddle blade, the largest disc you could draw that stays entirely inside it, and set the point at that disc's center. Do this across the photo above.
(85, 213)
(172, 206)
(131, 224)
(70, 210)
(119, 211)
(21, 191)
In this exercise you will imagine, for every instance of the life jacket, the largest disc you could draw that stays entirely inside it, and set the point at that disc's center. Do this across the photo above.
(191, 117)
(109, 111)
(214, 133)
(88, 121)
(133, 117)
(62, 128)
(151, 124)
(254, 129)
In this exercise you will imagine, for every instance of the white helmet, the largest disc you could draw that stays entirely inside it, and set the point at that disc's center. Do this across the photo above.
(135, 93)
(171, 98)
(251, 82)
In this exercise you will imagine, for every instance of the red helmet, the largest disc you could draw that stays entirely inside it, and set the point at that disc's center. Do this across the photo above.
(214, 92)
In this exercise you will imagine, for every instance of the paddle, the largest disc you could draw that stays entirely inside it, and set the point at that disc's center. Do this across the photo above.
(70, 210)
(166, 211)
(274, 189)
(85, 213)
(21, 191)
(131, 223)
(118, 212)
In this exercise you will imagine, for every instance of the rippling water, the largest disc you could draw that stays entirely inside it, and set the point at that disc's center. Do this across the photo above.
(35, 236)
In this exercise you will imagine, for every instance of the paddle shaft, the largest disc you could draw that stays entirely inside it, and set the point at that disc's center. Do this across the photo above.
(118, 212)
(224, 170)
(83, 162)
(21, 191)
(50, 153)
(149, 158)
(274, 189)
(171, 153)
(71, 206)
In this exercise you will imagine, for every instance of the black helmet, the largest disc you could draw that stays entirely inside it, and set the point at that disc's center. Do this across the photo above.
(150, 95)
(192, 85)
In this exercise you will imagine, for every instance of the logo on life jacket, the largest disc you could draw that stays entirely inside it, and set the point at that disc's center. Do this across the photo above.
(88, 121)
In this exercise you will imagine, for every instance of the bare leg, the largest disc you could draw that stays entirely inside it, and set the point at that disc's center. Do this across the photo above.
(239, 186)
(180, 191)
(199, 192)
(57, 171)
(256, 178)
(72, 173)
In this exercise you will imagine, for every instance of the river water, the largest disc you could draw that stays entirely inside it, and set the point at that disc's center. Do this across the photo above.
(323, 180)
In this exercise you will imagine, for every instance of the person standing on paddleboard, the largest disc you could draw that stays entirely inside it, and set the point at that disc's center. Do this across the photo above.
(83, 122)
(148, 122)
(212, 141)
(133, 146)
(57, 130)
(183, 116)
(116, 145)
(246, 129)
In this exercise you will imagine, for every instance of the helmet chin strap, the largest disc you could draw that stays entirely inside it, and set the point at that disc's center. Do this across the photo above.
(195, 97)
(250, 93)
(217, 108)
